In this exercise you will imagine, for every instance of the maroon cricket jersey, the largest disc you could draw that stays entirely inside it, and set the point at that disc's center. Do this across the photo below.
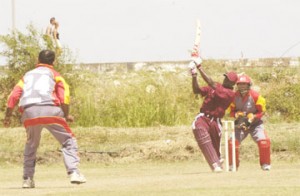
(216, 101)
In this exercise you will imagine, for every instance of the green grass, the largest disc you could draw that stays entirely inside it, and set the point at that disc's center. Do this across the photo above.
(183, 178)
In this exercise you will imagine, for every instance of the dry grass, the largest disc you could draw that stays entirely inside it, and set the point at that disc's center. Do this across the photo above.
(131, 145)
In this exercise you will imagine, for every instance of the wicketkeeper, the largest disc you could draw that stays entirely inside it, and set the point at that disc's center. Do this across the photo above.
(43, 97)
(248, 109)
(207, 124)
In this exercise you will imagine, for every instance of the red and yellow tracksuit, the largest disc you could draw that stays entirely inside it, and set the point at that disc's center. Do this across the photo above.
(40, 93)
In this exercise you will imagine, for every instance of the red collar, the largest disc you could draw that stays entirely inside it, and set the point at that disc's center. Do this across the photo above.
(44, 65)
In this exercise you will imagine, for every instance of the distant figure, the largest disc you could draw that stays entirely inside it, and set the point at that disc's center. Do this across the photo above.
(50, 28)
(55, 34)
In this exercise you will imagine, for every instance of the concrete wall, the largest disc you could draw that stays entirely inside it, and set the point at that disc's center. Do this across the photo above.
(175, 65)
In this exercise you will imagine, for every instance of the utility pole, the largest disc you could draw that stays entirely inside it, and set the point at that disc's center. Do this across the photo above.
(13, 15)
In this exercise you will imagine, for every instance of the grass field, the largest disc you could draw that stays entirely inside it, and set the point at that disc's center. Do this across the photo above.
(181, 178)
(150, 161)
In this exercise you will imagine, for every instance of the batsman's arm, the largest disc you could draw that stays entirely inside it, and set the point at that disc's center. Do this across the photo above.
(203, 91)
(195, 85)
(206, 78)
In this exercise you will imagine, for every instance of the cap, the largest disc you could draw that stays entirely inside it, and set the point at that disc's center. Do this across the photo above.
(232, 76)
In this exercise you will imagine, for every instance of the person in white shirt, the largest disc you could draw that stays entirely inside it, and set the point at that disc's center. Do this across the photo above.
(50, 28)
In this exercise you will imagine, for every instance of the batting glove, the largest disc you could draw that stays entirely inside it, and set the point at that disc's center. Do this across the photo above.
(195, 56)
(192, 68)
(197, 61)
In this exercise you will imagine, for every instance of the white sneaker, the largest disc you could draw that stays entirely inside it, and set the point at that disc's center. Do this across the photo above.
(266, 167)
(28, 183)
(218, 169)
(76, 178)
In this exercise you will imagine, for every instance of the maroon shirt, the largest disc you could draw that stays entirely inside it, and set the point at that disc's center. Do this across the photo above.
(216, 101)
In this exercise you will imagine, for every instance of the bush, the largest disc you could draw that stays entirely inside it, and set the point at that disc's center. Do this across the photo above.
(136, 100)
(21, 51)
(143, 98)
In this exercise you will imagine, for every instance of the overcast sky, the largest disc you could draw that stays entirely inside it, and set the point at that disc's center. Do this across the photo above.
(163, 30)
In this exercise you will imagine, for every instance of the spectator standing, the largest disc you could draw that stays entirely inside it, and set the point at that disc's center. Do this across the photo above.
(50, 27)
(57, 43)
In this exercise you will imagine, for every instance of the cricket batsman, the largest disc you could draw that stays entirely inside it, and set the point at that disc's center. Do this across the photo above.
(43, 97)
(207, 124)
(248, 109)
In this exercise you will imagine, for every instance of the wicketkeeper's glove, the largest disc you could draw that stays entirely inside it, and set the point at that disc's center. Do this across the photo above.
(250, 117)
(239, 114)
(242, 123)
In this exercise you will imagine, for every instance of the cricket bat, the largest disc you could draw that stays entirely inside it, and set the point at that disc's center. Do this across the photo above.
(195, 51)
(198, 33)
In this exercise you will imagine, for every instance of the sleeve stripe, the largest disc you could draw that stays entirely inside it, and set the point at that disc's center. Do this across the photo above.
(66, 88)
(262, 102)
(20, 84)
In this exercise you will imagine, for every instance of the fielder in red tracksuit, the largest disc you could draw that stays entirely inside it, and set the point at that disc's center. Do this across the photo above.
(207, 124)
(251, 106)
(43, 97)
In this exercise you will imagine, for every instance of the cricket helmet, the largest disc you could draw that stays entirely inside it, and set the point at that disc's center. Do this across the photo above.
(244, 79)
